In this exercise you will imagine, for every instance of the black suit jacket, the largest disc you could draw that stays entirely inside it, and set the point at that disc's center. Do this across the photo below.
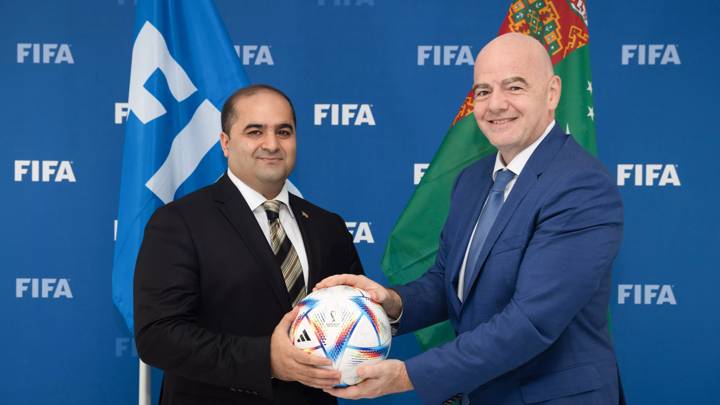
(208, 295)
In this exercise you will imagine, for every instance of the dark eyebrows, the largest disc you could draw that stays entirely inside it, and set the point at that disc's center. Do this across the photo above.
(285, 125)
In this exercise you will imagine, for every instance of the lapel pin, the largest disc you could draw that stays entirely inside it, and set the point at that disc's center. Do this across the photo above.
(305, 214)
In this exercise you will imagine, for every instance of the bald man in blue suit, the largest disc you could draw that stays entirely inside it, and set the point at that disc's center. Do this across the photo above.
(524, 260)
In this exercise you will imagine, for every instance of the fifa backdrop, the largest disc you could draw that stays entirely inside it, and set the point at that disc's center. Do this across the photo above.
(376, 85)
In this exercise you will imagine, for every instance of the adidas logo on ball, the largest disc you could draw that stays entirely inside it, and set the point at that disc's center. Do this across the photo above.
(304, 337)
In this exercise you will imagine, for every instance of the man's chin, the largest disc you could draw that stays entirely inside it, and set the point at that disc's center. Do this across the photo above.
(273, 177)
(498, 139)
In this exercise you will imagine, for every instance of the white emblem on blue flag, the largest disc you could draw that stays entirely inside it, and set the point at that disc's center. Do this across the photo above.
(150, 53)
(195, 140)
(187, 150)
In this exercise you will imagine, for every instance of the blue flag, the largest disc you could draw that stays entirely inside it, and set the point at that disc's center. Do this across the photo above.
(183, 69)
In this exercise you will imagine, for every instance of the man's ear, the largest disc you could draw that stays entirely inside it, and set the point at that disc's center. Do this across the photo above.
(554, 92)
(225, 143)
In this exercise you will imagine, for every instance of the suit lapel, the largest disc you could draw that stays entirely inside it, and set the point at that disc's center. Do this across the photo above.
(304, 222)
(232, 204)
(537, 163)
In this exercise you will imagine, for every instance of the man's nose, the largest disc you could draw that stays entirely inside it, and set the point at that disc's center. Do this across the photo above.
(270, 142)
(497, 101)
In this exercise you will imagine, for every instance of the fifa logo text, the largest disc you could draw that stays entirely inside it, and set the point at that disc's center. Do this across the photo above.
(652, 54)
(44, 171)
(44, 53)
(444, 55)
(42, 288)
(647, 174)
(344, 114)
(646, 294)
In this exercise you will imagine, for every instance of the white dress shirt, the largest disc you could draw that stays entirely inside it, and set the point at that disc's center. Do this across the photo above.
(287, 219)
(516, 166)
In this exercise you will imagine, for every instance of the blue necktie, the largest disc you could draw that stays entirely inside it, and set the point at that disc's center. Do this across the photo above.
(485, 222)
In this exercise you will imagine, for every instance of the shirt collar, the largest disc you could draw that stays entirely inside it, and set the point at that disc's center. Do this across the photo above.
(518, 163)
(255, 199)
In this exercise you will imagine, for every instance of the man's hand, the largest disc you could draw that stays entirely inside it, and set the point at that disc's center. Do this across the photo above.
(386, 377)
(388, 298)
(289, 363)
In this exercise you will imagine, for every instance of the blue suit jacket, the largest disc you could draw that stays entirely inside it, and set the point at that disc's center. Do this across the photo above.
(533, 327)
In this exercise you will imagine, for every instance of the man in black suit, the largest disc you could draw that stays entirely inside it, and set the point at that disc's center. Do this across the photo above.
(220, 269)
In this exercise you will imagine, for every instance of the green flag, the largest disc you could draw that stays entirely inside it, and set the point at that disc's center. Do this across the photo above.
(562, 26)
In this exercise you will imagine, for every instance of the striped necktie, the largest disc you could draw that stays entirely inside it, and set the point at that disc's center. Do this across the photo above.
(285, 254)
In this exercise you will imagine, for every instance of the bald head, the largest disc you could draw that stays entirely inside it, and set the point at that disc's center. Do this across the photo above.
(515, 92)
(517, 48)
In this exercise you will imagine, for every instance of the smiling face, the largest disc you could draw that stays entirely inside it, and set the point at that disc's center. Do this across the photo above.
(515, 92)
(260, 147)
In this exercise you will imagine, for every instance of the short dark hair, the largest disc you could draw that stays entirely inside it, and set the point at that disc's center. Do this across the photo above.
(228, 115)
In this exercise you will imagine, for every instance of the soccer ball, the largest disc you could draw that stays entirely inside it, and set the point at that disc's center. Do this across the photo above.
(344, 325)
